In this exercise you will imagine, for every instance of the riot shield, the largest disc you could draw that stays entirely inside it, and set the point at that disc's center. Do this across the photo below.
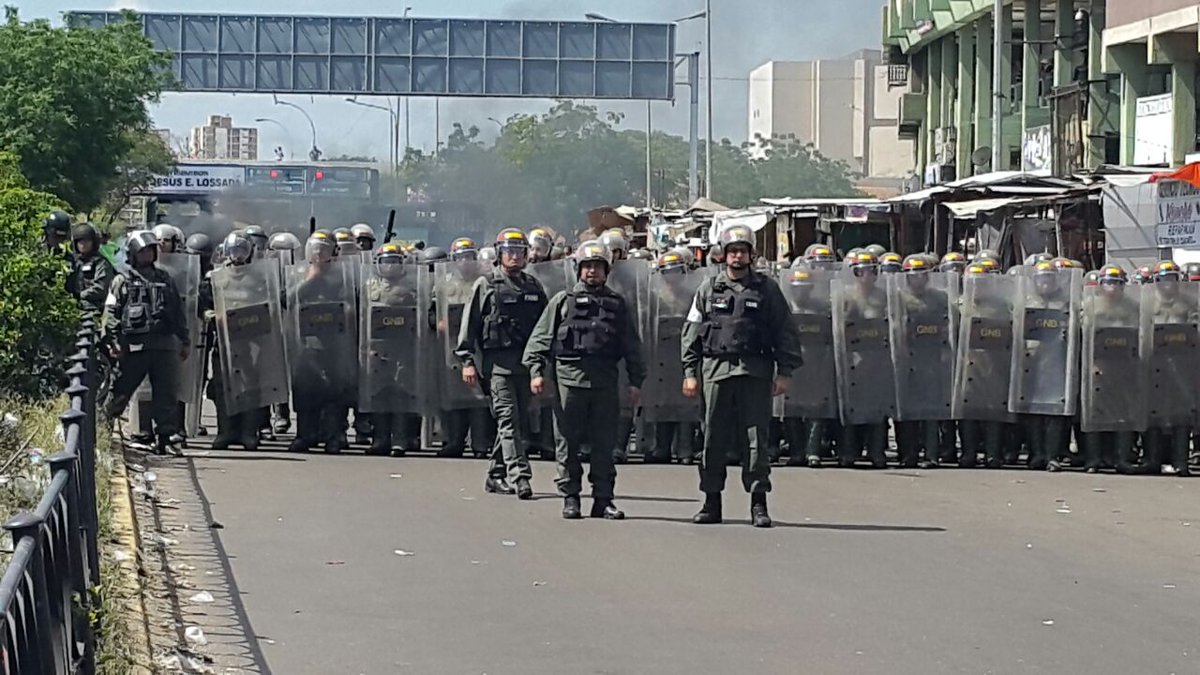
(669, 299)
(631, 280)
(1115, 326)
(862, 353)
(321, 332)
(1045, 379)
(250, 337)
(555, 276)
(452, 286)
(1173, 395)
(394, 341)
(185, 272)
(815, 396)
(985, 344)
(922, 318)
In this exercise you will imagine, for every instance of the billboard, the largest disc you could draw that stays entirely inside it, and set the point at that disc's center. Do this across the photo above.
(410, 56)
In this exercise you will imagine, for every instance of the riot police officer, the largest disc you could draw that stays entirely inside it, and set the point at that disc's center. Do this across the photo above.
(92, 274)
(1174, 395)
(866, 386)
(670, 420)
(499, 317)
(953, 262)
(617, 243)
(740, 334)
(144, 329)
(584, 333)
(540, 245)
(258, 238)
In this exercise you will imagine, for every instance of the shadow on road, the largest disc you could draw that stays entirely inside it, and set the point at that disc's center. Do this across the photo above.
(838, 527)
(240, 457)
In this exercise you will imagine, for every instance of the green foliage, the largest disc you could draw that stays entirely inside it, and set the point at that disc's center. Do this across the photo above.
(38, 317)
(552, 168)
(73, 101)
(148, 156)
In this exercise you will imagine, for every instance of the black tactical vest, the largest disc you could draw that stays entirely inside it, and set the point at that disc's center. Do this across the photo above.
(735, 323)
(590, 326)
(145, 305)
(513, 315)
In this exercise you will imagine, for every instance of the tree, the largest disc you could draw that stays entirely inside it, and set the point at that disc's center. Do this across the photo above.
(73, 101)
(37, 316)
(148, 156)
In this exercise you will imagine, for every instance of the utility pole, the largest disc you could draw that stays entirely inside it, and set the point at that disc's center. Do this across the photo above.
(708, 179)
(998, 47)
(693, 61)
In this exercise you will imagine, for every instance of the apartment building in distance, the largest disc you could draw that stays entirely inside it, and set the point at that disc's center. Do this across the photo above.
(843, 107)
(219, 139)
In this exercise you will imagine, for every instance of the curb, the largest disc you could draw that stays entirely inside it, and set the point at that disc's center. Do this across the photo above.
(125, 533)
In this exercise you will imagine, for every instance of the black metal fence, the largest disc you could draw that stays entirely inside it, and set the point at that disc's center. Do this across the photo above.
(45, 627)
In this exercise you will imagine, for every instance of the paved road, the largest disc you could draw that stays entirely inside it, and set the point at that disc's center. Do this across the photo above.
(867, 572)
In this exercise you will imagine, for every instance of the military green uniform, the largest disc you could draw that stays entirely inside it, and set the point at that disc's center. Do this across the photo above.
(497, 322)
(89, 282)
(144, 317)
(585, 333)
(738, 337)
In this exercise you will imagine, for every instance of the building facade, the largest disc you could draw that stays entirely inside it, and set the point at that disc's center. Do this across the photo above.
(1058, 100)
(843, 107)
(219, 139)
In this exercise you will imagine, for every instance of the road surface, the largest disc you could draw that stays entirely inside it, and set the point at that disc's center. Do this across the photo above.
(949, 571)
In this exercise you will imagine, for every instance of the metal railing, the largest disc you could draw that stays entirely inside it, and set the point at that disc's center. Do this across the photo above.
(45, 625)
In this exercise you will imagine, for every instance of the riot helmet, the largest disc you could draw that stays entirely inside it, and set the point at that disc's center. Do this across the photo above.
(590, 252)
(891, 263)
(540, 244)
(344, 243)
(917, 263)
(1166, 270)
(283, 241)
(464, 248)
(742, 238)
(616, 242)
(487, 254)
(1092, 278)
(641, 254)
(1113, 275)
(364, 236)
(434, 254)
(58, 224)
(1035, 258)
(1191, 271)
(87, 235)
(684, 252)
(671, 262)
(863, 264)
(141, 248)
(258, 238)
(1141, 276)
(876, 250)
(390, 261)
(953, 262)
(320, 248)
(819, 253)
(199, 244)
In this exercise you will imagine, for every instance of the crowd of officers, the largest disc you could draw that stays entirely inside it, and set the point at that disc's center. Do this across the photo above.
(525, 347)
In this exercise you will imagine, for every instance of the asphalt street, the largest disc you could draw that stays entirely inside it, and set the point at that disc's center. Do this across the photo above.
(354, 564)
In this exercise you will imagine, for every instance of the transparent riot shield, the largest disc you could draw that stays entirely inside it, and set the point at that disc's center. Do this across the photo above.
(862, 351)
(393, 340)
(1174, 380)
(453, 282)
(321, 332)
(922, 319)
(1045, 378)
(555, 276)
(1115, 327)
(185, 272)
(631, 280)
(250, 336)
(985, 344)
(668, 301)
(815, 393)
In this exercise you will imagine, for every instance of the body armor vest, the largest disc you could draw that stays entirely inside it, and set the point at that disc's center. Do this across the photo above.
(590, 326)
(145, 306)
(513, 315)
(734, 326)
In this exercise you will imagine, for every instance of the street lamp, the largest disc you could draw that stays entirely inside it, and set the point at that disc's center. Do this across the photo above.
(264, 120)
(707, 16)
(314, 153)
(395, 125)
(498, 123)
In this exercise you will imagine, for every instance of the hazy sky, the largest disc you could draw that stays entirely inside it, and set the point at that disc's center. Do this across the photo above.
(746, 33)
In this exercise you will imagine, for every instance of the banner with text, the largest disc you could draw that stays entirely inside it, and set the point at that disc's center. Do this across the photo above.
(1178, 223)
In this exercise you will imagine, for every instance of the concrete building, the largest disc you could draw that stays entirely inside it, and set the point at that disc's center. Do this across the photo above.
(1152, 46)
(219, 139)
(1059, 107)
(843, 107)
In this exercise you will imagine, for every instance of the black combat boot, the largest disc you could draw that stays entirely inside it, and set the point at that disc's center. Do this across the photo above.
(498, 486)
(758, 510)
(604, 508)
(571, 509)
(710, 513)
(524, 489)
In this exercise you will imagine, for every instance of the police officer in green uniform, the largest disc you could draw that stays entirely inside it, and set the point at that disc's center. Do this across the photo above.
(739, 332)
(145, 330)
(585, 333)
(504, 307)
(91, 274)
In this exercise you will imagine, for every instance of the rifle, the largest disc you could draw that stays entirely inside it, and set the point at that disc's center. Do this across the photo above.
(391, 227)
(312, 225)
